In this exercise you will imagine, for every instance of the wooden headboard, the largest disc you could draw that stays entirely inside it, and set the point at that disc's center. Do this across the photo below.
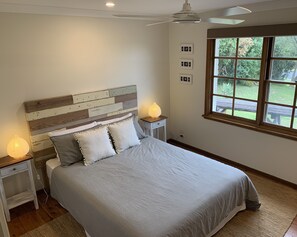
(68, 111)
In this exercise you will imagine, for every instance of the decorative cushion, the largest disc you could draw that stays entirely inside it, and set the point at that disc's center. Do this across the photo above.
(140, 133)
(123, 134)
(138, 129)
(94, 144)
(66, 146)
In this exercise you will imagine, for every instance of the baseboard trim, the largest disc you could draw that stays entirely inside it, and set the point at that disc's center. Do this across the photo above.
(229, 162)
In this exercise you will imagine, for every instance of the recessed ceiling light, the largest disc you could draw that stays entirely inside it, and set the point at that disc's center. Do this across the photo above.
(109, 4)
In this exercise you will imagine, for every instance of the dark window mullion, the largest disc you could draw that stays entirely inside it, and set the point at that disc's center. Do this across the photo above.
(235, 70)
(263, 84)
(278, 104)
(294, 108)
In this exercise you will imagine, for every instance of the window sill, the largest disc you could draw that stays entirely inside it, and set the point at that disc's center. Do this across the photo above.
(263, 128)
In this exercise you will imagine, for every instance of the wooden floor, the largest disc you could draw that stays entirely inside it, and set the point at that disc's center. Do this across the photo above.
(25, 218)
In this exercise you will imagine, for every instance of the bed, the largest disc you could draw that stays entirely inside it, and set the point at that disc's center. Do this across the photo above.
(151, 189)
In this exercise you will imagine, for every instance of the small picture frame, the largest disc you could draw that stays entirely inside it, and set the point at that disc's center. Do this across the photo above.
(186, 63)
(186, 78)
(186, 48)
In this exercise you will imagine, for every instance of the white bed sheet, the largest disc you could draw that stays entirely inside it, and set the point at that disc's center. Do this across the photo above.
(50, 166)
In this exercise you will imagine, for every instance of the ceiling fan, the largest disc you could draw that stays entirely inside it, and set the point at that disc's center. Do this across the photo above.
(186, 15)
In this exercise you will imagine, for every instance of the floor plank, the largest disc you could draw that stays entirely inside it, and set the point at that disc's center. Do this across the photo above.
(25, 218)
(292, 231)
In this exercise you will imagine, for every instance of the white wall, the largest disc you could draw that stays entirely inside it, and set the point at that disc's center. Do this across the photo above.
(273, 155)
(45, 56)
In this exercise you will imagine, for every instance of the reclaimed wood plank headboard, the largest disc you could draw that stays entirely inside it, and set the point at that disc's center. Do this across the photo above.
(69, 111)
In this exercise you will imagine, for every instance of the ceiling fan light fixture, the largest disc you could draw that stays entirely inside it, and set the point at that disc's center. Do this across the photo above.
(109, 4)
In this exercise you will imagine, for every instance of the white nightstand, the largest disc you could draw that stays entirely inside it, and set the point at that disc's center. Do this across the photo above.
(150, 124)
(10, 167)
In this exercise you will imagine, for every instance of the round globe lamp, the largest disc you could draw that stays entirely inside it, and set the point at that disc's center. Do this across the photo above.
(154, 110)
(17, 147)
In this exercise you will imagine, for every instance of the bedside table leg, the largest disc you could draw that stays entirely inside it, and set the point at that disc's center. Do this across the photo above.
(165, 134)
(32, 185)
(4, 202)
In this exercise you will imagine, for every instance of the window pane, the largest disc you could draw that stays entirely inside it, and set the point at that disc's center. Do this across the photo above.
(222, 105)
(245, 109)
(247, 89)
(278, 115)
(224, 67)
(285, 47)
(281, 93)
(223, 86)
(249, 69)
(250, 47)
(225, 47)
(284, 70)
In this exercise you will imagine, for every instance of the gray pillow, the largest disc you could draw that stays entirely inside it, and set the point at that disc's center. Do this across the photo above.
(139, 131)
(67, 148)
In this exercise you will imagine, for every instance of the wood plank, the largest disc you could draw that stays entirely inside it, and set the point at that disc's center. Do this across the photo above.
(122, 112)
(68, 125)
(44, 152)
(41, 136)
(41, 145)
(7, 160)
(32, 220)
(37, 105)
(96, 95)
(105, 109)
(123, 98)
(68, 109)
(53, 208)
(15, 227)
(122, 91)
(130, 104)
(57, 120)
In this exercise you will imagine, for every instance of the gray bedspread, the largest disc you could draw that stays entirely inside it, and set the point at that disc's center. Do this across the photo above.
(152, 190)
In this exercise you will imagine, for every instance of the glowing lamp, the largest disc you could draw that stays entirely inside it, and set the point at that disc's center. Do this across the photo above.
(154, 110)
(17, 147)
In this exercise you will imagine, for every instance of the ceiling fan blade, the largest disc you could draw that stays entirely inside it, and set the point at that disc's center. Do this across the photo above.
(224, 21)
(232, 11)
(159, 23)
(139, 16)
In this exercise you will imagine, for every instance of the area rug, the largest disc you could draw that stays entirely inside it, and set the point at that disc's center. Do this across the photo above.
(279, 207)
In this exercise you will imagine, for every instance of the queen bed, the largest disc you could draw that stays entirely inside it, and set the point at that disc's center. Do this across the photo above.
(149, 188)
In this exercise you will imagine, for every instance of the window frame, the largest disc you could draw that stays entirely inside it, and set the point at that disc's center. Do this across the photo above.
(267, 57)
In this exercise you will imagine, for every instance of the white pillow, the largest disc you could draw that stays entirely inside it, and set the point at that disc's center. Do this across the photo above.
(64, 131)
(123, 134)
(94, 144)
(115, 119)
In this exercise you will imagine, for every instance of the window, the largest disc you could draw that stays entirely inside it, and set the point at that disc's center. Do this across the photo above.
(251, 81)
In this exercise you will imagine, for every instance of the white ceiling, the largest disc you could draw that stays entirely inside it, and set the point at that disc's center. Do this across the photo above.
(97, 8)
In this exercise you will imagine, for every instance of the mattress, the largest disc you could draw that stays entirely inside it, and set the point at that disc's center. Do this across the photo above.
(153, 190)
(50, 166)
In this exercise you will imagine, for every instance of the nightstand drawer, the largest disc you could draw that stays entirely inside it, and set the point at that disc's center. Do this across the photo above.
(10, 170)
(159, 124)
